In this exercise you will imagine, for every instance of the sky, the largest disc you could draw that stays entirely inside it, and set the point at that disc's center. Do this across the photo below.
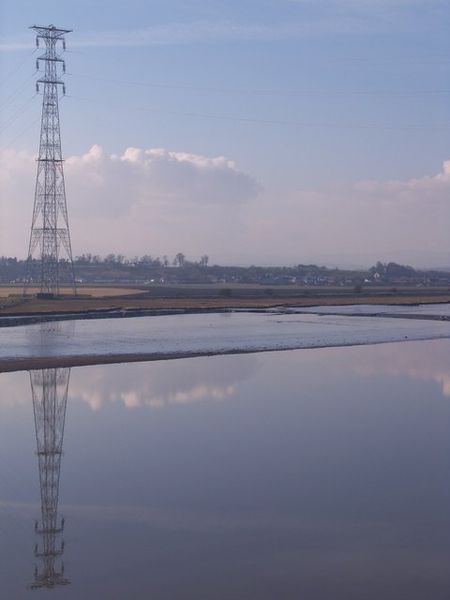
(253, 131)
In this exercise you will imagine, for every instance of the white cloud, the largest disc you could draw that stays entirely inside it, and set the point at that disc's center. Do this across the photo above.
(138, 200)
(111, 185)
(159, 202)
(362, 222)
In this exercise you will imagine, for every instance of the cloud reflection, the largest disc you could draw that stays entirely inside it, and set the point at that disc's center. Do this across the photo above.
(162, 384)
(15, 389)
(423, 361)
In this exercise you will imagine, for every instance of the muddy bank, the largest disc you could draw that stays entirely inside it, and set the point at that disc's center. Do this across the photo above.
(117, 312)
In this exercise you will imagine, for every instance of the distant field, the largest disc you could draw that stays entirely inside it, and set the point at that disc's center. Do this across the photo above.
(95, 292)
(200, 298)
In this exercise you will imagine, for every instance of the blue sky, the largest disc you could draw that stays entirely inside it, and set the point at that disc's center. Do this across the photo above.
(331, 116)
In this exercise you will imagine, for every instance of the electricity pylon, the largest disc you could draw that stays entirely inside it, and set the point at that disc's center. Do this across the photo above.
(50, 222)
(49, 389)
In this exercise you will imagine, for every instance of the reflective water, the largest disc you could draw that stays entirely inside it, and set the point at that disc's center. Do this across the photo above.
(200, 334)
(311, 474)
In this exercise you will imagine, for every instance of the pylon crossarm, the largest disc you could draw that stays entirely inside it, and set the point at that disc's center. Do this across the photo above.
(51, 530)
(45, 31)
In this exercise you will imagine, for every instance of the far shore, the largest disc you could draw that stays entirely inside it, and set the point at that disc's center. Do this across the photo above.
(101, 302)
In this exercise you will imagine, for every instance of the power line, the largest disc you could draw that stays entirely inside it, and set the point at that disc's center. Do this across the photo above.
(302, 124)
(20, 134)
(17, 91)
(16, 68)
(266, 91)
(19, 112)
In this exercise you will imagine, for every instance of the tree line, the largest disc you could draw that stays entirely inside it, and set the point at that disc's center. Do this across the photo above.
(146, 269)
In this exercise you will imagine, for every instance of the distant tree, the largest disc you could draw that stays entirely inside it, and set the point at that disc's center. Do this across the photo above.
(146, 259)
(84, 259)
(180, 259)
(204, 261)
(395, 270)
(379, 268)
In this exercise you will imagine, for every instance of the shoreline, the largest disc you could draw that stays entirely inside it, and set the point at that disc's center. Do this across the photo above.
(18, 318)
(9, 365)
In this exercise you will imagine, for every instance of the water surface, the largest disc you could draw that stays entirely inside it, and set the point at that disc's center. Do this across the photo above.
(201, 334)
(306, 474)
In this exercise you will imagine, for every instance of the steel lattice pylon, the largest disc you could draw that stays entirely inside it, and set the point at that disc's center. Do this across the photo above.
(50, 223)
(49, 389)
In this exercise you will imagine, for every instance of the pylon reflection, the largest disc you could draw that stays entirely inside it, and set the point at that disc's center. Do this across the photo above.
(49, 389)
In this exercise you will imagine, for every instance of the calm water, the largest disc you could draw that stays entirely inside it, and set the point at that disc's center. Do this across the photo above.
(215, 333)
(311, 474)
